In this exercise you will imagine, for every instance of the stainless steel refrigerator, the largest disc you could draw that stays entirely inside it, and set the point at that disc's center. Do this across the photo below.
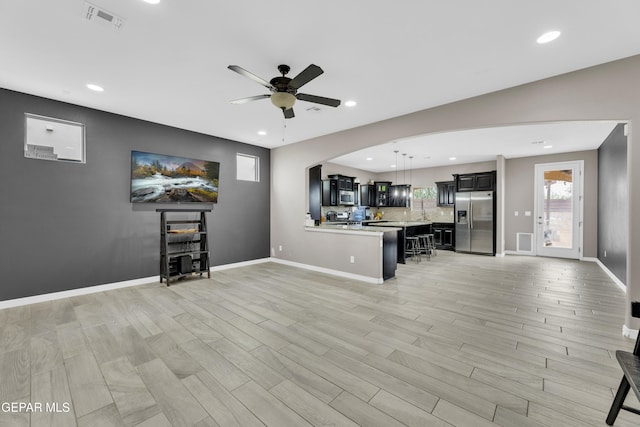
(475, 222)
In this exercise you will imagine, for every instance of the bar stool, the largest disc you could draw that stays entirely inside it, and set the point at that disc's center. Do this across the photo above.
(427, 245)
(413, 248)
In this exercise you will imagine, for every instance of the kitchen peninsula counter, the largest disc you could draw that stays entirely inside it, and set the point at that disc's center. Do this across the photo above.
(405, 229)
(363, 252)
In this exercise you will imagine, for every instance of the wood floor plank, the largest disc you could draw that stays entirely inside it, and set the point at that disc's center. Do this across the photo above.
(271, 411)
(52, 387)
(405, 412)
(362, 413)
(341, 377)
(298, 374)
(132, 398)
(214, 397)
(177, 360)
(309, 407)
(88, 388)
(222, 370)
(177, 404)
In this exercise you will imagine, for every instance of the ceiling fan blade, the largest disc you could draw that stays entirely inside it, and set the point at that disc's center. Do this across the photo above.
(318, 99)
(308, 74)
(250, 75)
(288, 114)
(250, 98)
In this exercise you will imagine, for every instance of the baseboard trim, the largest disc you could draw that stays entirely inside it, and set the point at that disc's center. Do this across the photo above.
(629, 333)
(609, 272)
(329, 271)
(17, 302)
(76, 292)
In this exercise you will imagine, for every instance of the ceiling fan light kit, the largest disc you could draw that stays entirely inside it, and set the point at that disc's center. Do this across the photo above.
(284, 90)
(283, 100)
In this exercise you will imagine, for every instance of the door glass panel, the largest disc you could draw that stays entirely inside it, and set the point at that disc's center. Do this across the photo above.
(558, 208)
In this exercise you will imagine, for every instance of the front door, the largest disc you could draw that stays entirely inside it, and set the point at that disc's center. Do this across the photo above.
(558, 209)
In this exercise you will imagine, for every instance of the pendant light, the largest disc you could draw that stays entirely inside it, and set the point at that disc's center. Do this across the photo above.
(395, 191)
(404, 171)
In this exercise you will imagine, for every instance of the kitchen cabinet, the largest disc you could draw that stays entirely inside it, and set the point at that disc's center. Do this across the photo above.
(483, 181)
(443, 235)
(344, 182)
(367, 195)
(399, 196)
(329, 192)
(382, 193)
(184, 247)
(446, 193)
(315, 192)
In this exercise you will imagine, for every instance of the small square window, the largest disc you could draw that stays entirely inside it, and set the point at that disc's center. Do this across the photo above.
(47, 138)
(247, 168)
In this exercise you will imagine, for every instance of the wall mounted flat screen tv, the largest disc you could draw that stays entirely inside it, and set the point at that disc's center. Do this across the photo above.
(158, 178)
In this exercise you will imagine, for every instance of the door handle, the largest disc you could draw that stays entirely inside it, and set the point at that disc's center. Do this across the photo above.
(539, 220)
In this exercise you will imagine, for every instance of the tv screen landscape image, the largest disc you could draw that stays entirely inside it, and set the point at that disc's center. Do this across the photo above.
(158, 178)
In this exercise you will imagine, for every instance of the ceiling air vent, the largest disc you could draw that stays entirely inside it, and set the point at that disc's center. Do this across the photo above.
(96, 14)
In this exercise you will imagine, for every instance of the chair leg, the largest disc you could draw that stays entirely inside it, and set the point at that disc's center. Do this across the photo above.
(618, 401)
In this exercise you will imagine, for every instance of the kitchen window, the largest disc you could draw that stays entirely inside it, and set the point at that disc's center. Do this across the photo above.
(424, 198)
(247, 167)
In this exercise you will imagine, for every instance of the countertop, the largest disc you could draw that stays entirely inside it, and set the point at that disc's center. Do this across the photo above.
(352, 229)
(399, 223)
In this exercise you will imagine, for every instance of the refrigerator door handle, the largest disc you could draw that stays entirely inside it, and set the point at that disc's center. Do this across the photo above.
(470, 215)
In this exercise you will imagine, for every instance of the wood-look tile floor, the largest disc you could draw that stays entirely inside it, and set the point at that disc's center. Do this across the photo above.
(460, 340)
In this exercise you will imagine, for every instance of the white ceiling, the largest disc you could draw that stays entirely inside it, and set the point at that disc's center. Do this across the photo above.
(479, 145)
(168, 62)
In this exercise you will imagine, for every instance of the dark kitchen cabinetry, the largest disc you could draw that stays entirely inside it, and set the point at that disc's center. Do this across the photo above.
(368, 195)
(330, 192)
(344, 182)
(446, 193)
(382, 193)
(399, 196)
(443, 235)
(483, 181)
(315, 192)
(184, 247)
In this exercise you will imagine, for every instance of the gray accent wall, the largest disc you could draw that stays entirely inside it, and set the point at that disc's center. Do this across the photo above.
(67, 225)
(613, 203)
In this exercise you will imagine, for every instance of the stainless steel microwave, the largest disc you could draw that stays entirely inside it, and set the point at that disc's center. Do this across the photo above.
(346, 197)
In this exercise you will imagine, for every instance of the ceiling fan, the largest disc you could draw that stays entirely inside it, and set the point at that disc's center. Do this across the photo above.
(284, 90)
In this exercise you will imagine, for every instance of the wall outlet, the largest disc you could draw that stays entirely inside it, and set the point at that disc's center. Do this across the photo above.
(280, 248)
(605, 253)
(352, 259)
(516, 213)
(527, 213)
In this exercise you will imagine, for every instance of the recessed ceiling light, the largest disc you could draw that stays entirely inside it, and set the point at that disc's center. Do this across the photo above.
(152, 1)
(95, 87)
(548, 146)
(369, 158)
(262, 132)
(548, 37)
(452, 158)
(393, 166)
(350, 103)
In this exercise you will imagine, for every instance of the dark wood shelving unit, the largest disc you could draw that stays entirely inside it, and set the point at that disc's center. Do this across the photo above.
(184, 245)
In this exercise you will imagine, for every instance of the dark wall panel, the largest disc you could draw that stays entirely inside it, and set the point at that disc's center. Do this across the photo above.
(613, 203)
(68, 225)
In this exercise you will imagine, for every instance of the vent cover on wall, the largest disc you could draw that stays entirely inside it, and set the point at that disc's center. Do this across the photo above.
(96, 14)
